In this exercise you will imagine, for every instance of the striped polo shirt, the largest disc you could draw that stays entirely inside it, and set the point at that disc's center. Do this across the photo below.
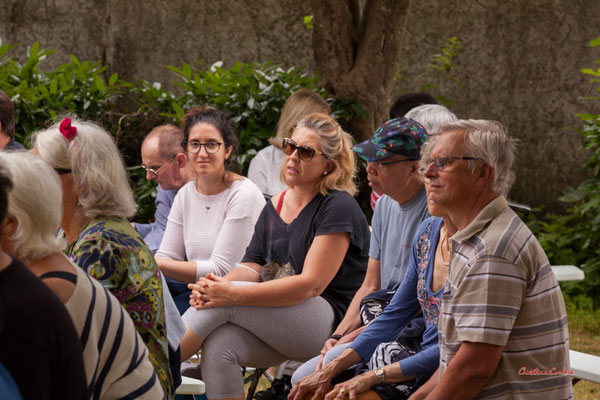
(502, 291)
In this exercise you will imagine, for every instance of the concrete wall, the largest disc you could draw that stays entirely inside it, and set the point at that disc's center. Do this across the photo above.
(519, 63)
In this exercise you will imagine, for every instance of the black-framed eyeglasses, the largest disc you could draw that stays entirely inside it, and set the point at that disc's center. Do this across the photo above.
(156, 171)
(442, 162)
(305, 153)
(194, 146)
(380, 165)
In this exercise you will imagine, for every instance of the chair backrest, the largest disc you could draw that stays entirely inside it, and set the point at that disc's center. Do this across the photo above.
(523, 209)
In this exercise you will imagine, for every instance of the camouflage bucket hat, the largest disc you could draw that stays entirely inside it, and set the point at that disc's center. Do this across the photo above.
(397, 136)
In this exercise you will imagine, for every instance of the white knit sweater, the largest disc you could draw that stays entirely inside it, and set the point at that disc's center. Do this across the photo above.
(213, 231)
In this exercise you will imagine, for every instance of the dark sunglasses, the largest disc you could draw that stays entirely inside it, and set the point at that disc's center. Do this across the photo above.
(305, 153)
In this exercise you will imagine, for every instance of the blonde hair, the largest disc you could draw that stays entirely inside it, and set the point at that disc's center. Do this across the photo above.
(97, 167)
(335, 144)
(36, 202)
(300, 104)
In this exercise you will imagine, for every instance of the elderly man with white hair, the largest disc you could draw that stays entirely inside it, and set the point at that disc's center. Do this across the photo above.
(502, 310)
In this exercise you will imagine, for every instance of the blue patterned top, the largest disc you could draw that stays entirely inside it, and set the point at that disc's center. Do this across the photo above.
(414, 294)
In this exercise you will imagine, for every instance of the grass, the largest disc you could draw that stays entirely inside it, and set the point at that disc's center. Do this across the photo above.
(584, 335)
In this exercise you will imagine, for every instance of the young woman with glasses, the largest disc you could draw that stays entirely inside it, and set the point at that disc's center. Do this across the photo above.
(212, 218)
(318, 228)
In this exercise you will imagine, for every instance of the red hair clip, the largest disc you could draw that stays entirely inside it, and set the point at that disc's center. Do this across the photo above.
(68, 131)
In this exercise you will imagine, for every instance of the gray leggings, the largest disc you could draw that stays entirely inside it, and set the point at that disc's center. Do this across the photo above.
(256, 337)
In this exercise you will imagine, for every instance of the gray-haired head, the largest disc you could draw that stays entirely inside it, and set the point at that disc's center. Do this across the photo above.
(489, 141)
(96, 163)
(36, 203)
(431, 116)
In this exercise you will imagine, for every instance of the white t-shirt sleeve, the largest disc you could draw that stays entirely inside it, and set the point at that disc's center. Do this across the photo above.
(257, 172)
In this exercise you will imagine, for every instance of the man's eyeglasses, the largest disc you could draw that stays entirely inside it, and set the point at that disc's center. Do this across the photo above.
(156, 171)
(305, 153)
(442, 162)
(194, 146)
(380, 165)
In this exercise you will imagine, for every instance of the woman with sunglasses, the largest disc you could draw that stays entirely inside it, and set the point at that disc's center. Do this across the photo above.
(318, 228)
(212, 217)
(266, 166)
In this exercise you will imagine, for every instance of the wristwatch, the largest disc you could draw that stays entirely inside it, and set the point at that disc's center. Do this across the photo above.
(380, 374)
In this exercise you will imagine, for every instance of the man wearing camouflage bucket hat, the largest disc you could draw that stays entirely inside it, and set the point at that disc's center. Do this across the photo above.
(392, 155)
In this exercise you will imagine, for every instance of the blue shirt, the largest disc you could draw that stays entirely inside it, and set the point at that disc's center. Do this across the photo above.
(153, 232)
(394, 228)
(8, 387)
(414, 294)
(13, 145)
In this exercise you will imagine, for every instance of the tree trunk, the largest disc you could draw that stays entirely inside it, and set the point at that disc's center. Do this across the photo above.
(358, 55)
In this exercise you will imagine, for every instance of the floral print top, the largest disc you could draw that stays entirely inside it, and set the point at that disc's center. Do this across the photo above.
(414, 294)
(110, 250)
(430, 302)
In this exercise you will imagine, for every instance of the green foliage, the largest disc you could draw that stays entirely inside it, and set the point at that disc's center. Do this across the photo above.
(574, 238)
(252, 94)
(439, 69)
(308, 21)
(39, 97)
(583, 313)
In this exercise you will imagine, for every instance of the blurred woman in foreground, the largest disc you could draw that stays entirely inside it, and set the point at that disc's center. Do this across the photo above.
(102, 324)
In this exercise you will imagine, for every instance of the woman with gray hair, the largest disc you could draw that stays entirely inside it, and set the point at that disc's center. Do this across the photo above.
(102, 324)
(431, 116)
(97, 201)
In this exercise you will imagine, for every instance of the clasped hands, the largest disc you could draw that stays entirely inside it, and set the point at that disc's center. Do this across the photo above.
(211, 291)
(319, 385)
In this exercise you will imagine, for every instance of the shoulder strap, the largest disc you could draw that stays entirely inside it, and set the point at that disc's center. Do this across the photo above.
(280, 202)
(68, 276)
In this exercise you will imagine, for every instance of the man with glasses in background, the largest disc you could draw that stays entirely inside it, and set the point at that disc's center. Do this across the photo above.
(7, 125)
(166, 164)
(392, 156)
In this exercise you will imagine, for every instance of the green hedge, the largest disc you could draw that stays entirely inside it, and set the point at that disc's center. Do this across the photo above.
(253, 94)
(574, 238)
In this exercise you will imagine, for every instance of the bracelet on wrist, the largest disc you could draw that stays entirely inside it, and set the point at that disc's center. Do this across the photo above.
(336, 336)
